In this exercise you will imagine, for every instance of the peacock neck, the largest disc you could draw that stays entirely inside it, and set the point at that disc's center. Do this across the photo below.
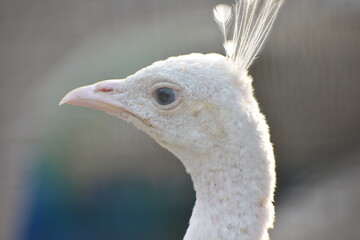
(234, 186)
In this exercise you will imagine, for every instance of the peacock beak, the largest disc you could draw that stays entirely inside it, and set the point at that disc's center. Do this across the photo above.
(105, 95)
(108, 96)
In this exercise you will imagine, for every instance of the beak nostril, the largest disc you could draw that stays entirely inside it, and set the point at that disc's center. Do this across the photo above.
(105, 90)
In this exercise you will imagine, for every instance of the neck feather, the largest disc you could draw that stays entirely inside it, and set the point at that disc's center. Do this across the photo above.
(234, 185)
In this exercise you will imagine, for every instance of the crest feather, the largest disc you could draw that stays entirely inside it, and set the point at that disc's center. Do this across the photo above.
(250, 24)
(222, 16)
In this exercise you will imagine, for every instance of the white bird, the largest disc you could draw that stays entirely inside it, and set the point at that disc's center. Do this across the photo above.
(203, 110)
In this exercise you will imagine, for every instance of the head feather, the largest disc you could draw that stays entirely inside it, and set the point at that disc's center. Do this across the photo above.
(250, 25)
(222, 16)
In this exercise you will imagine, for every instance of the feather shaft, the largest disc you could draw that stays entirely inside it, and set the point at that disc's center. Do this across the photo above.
(250, 27)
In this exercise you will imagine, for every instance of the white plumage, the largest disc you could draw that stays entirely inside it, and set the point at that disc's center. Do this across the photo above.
(250, 26)
(202, 109)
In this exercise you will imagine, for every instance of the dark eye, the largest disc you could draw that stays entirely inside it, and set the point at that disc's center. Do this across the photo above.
(165, 96)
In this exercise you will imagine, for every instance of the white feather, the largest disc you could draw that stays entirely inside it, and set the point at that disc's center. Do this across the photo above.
(251, 24)
(222, 13)
(230, 48)
(222, 16)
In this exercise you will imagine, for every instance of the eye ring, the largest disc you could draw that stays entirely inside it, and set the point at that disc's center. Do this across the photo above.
(166, 95)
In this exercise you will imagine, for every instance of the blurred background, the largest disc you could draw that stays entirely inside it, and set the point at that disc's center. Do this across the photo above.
(69, 173)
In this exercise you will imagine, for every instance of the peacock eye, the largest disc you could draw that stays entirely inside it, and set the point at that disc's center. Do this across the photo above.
(165, 96)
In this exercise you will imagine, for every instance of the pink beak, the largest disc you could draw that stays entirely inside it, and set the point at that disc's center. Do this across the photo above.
(108, 96)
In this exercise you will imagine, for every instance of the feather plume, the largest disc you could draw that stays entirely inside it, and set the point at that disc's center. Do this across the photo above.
(250, 26)
(222, 16)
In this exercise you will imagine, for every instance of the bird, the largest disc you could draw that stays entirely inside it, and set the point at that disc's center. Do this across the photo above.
(202, 108)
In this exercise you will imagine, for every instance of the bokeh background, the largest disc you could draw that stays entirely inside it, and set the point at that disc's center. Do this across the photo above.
(70, 173)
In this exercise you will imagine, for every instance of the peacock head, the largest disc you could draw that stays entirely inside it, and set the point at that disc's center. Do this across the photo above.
(180, 102)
